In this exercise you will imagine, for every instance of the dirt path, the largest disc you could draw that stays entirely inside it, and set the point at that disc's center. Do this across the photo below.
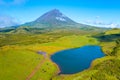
(36, 68)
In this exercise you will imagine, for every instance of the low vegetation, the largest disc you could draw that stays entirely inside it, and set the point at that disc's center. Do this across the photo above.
(19, 57)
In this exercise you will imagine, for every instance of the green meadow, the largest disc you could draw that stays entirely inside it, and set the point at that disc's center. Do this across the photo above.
(19, 59)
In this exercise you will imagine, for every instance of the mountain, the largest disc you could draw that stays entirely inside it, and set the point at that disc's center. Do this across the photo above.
(54, 17)
(51, 19)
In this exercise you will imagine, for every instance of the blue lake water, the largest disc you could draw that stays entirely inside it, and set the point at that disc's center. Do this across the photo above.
(76, 60)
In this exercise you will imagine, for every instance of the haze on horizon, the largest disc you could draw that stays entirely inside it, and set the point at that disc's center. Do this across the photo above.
(103, 13)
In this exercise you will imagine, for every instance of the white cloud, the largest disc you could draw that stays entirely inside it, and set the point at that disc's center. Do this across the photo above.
(7, 21)
(101, 23)
(112, 25)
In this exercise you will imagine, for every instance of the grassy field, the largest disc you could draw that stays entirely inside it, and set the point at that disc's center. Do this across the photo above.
(16, 64)
(19, 57)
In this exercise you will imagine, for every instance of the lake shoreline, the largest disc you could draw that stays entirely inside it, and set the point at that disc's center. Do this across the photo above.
(59, 70)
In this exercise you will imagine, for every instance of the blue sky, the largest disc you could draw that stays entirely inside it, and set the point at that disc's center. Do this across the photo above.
(104, 13)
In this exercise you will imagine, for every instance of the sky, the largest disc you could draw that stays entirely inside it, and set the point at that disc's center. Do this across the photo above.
(102, 13)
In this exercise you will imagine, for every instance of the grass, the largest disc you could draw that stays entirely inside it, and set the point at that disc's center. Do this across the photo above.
(18, 57)
(73, 41)
(20, 60)
(17, 64)
(113, 31)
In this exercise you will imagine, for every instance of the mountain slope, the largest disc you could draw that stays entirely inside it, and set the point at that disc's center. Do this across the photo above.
(54, 17)
(51, 19)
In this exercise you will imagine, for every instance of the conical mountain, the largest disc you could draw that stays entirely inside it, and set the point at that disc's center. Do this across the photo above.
(54, 17)
(51, 19)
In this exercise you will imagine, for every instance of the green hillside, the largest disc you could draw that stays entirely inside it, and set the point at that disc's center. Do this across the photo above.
(20, 60)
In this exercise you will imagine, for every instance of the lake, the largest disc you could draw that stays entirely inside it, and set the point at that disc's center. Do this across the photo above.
(76, 60)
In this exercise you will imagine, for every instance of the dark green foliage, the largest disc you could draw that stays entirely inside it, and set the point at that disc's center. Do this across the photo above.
(118, 41)
(30, 30)
(108, 38)
(25, 39)
(6, 30)
(115, 49)
(109, 67)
